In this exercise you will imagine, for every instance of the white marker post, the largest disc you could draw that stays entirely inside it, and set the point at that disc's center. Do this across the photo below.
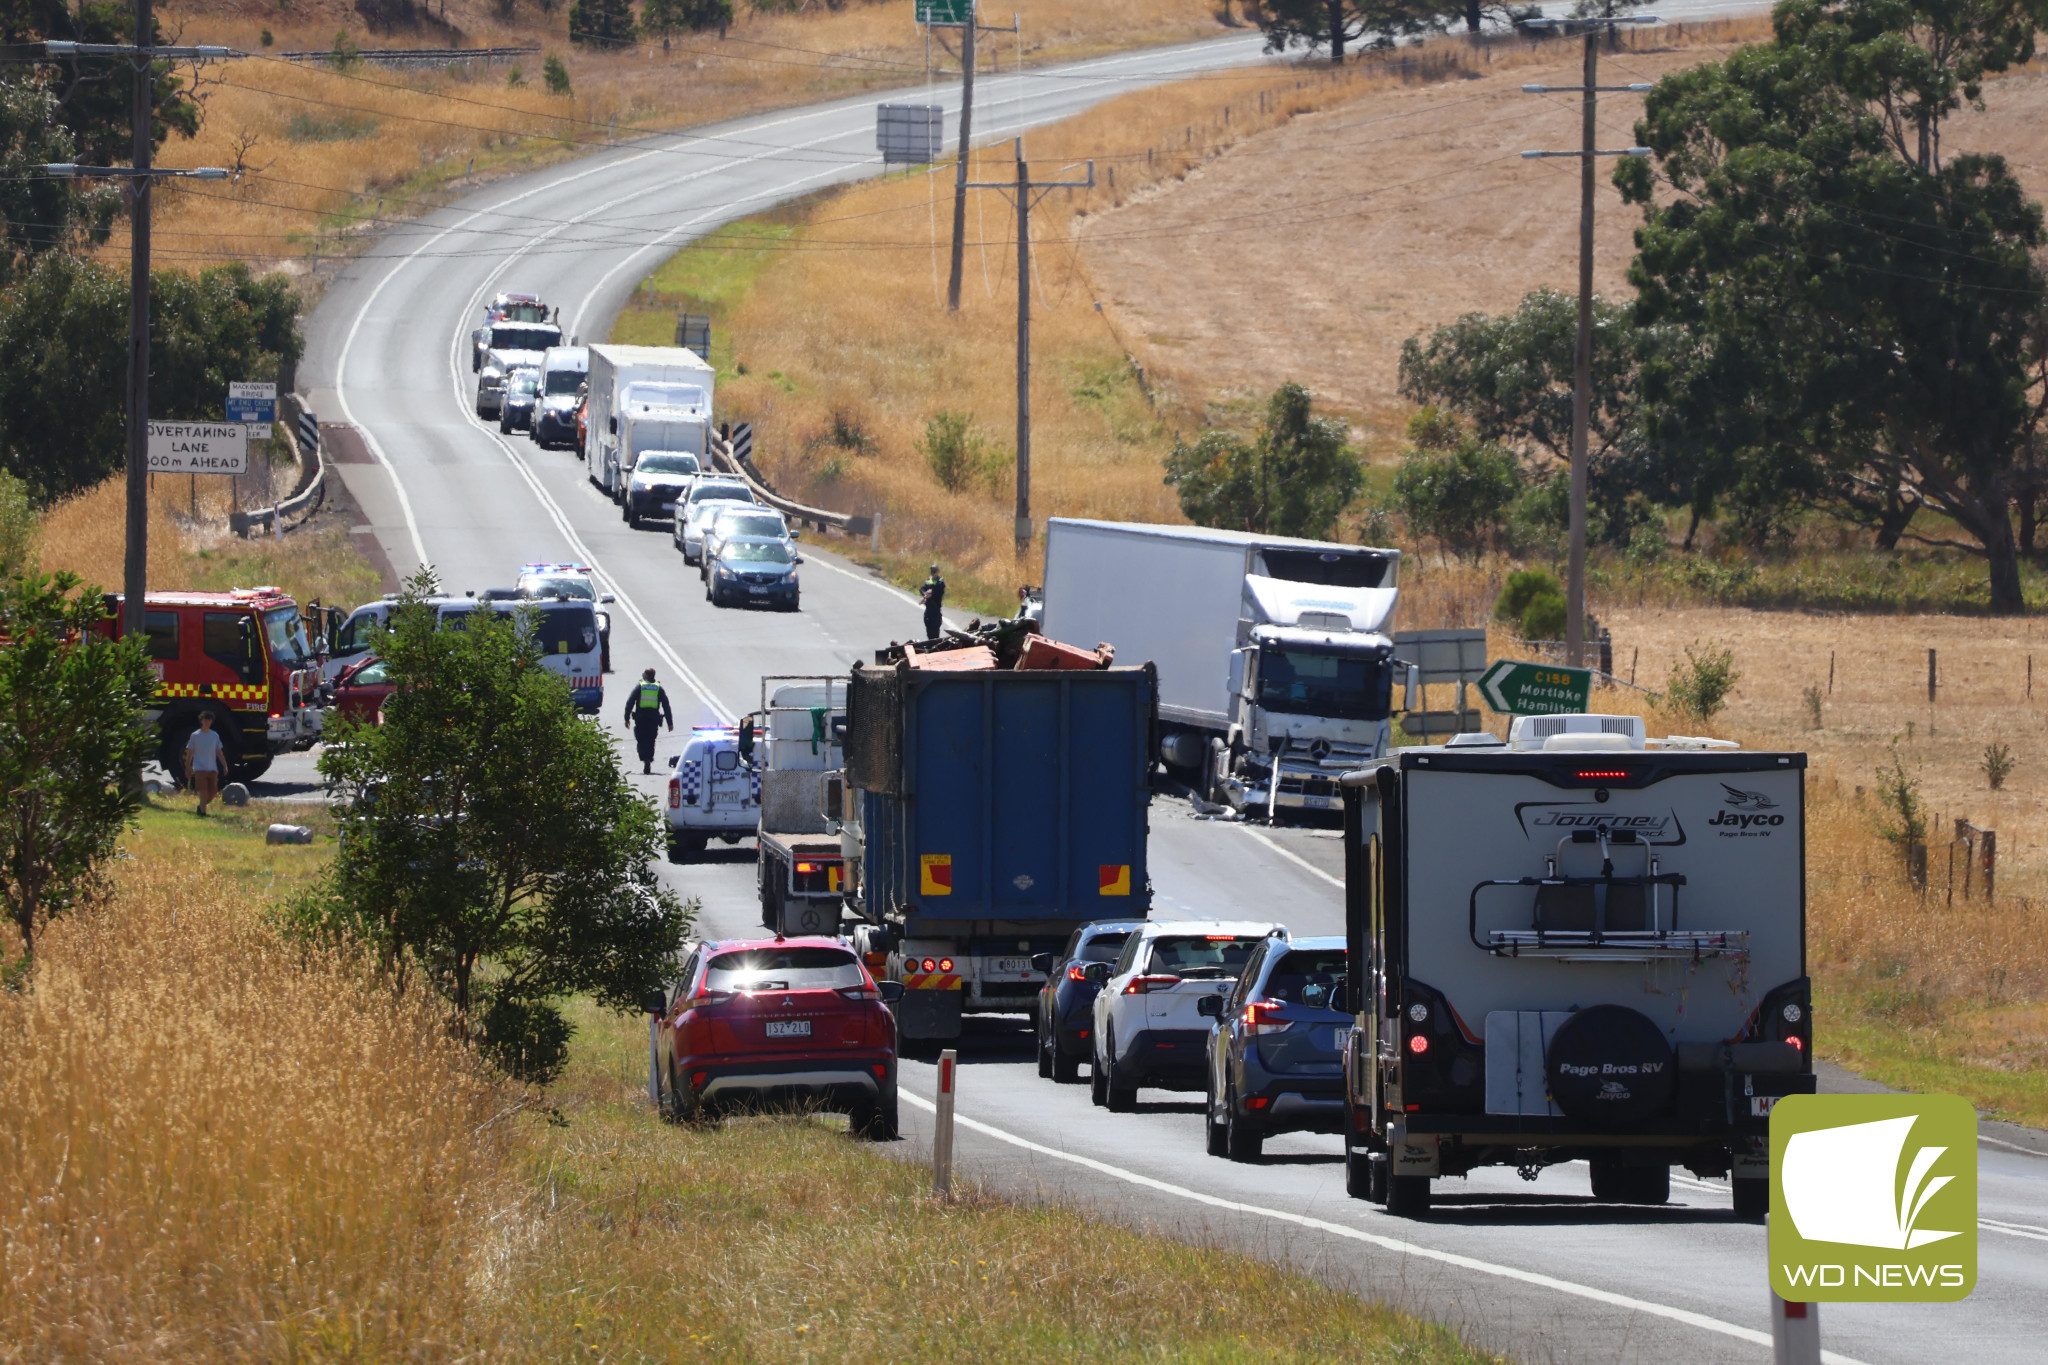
(1795, 1332)
(942, 1133)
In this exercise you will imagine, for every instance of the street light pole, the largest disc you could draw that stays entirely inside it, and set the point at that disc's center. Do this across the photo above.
(1582, 354)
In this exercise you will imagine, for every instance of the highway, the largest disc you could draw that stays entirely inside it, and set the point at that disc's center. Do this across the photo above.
(1533, 1270)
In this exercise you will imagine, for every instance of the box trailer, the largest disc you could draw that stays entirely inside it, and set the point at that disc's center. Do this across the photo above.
(1577, 945)
(1275, 669)
(802, 874)
(643, 398)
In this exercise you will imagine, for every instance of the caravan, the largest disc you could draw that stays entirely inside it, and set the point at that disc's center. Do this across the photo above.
(643, 398)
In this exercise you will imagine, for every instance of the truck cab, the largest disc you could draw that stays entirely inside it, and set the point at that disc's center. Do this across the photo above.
(715, 792)
(243, 655)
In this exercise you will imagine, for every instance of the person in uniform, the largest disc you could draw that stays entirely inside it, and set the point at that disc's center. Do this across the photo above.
(647, 710)
(933, 595)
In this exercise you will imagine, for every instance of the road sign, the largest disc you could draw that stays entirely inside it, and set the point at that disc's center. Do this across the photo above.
(910, 134)
(254, 406)
(946, 12)
(198, 448)
(1515, 688)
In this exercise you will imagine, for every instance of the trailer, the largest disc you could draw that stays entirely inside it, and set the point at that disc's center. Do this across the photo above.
(1276, 673)
(643, 398)
(1580, 944)
(802, 875)
(985, 813)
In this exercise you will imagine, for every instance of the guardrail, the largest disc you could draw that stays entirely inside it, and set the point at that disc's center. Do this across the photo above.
(416, 56)
(844, 522)
(312, 490)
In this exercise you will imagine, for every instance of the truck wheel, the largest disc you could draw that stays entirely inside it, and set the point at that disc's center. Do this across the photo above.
(1241, 1141)
(1752, 1197)
(1408, 1196)
(248, 769)
(1615, 1183)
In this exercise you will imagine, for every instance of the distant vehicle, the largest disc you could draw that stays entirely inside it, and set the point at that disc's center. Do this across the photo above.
(504, 308)
(794, 1022)
(715, 793)
(562, 373)
(516, 403)
(742, 519)
(510, 346)
(1275, 1060)
(658, 478)
(1066, 1004)
(351, 641)
(753, 569)
(573, 582)
(643, 398)
(1276, 672)
(1148, 1020)
(699, 505)
(360, 691)
(565, 632)
(1574, 946)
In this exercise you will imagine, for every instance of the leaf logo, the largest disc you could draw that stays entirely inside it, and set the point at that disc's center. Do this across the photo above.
(1842, 1185)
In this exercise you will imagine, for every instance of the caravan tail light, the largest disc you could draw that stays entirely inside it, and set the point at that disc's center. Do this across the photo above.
(1418, 1043)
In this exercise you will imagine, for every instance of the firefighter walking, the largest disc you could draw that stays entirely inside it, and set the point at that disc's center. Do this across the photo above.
(647, 710)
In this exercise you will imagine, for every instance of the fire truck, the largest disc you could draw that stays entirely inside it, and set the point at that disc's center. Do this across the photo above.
(242, 655)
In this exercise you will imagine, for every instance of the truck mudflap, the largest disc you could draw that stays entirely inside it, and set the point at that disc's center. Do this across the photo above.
(928, 1013)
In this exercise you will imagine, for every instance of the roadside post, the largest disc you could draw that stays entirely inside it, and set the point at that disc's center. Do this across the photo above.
(942, 1132)
(1795, 1332)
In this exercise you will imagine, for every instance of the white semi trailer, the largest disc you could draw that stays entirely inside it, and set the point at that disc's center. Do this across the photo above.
(643, 398)
(1272, 651)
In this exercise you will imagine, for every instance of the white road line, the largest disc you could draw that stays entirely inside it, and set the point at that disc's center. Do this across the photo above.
(2008, 1146)
(1291, 856)
(1393, 1244)
(2027, 1230)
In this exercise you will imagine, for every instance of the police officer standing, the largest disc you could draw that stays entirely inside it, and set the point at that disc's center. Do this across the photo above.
(933, 595)
(647, 710)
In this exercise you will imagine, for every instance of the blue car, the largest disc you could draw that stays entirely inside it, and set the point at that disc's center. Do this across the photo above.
(1065, 1001)
(1276, 1048)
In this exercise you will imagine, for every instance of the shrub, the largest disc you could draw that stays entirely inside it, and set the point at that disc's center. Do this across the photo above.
(1905, 824)
(346, 54)
(1998, 763)
(956, 453)
(1454, 488)
(1523, 586)
(1544, 618)
(1812, 697)
(1700, 682)
(1295, 478)
(555, 75)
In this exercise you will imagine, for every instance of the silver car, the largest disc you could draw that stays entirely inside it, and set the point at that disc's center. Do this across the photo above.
(699, 505)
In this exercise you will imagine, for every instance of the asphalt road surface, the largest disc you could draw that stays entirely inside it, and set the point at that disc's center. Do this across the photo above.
(1535, 1270)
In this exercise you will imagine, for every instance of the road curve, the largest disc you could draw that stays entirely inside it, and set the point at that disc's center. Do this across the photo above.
(1533, 1270)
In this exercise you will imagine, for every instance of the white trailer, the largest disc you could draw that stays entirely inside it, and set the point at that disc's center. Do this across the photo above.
(1272, 651)
(643, 398)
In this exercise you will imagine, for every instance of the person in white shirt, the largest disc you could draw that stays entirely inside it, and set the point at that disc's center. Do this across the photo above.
(205, 757)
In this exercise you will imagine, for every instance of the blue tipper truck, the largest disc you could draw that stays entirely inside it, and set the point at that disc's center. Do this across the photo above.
(987, 812)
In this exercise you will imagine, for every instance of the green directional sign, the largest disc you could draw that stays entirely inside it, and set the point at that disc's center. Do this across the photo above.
(958, 12)
(1516, 688)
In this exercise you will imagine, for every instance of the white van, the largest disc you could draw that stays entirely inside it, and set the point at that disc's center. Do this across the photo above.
(566, 632)
(562, 372)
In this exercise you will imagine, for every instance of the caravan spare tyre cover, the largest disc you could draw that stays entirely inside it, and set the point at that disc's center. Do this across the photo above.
(1610, 1065)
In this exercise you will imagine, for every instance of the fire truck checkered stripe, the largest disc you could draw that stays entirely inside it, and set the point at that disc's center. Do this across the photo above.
(251, 692)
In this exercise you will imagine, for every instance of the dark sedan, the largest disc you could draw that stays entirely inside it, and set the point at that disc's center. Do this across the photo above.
(1064, 1001)
(515, 408)
(1276, 1049)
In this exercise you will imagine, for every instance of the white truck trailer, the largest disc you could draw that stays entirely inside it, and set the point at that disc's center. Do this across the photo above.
(1273, 652)
(643, 398)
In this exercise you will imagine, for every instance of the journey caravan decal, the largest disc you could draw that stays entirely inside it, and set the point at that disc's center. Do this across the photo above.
(1557, 819)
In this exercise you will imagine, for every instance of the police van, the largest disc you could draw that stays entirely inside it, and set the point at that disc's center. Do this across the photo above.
(715, 792)
(573, 581)
(565, 631)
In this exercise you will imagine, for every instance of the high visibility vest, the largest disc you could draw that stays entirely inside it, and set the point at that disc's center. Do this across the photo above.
(650, 696)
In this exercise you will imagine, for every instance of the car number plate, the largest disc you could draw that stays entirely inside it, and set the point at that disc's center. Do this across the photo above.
(1316, 802)
(789, 1028)
(1013, 964)
(758, 592)
(668, 507)
(1760, 1106)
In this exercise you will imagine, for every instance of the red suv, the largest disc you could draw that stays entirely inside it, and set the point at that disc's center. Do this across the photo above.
(782, 1022)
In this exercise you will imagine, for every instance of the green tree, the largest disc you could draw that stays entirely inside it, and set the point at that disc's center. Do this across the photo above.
(555, 75)
(491, 841)
(71, 734)
(602, 23)
(1294, 479)
(65, 325)
(1454, 488)
(1861, 312)
(674, 16)
(20, 527)
(1339, 24)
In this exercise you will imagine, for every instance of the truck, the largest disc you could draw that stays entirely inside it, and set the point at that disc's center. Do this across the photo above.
(245, 656)
(1276, 670)
(802, 729)
(1578, 944)
(983, 814)
(509, 346)
(643, 398)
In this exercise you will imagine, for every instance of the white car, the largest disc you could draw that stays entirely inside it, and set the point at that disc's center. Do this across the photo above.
(741, 520)
(1149, 1027)
(697, 508)
(659, 480)
(715, 793)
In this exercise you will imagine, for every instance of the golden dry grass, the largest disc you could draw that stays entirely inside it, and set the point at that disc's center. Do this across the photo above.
(334, 156)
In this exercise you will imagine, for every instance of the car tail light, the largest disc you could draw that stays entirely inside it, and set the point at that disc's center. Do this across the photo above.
(1076, 972)
(860, 993)
(702, 998)
(1263, 1016)
(881, 1070)
(1257, 1102)
(697, 1079)
(1144, 985)
(675, 792)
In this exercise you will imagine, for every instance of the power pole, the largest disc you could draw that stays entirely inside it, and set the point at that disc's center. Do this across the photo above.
(1025, 188)
(1582, 357)
(968, 23)
(141, 58)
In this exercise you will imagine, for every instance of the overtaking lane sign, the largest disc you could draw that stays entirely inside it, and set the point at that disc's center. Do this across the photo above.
(1515, 688)
(198, 448)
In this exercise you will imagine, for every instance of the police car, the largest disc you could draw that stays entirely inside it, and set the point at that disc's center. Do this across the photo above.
(715, 792)
(573, 582)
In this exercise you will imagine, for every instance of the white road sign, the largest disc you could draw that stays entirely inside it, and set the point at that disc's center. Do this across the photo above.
(198, 448)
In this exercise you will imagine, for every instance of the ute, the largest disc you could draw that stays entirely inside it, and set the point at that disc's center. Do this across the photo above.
(243, 655)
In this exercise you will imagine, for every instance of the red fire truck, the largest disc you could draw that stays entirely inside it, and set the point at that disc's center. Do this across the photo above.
(244, 656)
